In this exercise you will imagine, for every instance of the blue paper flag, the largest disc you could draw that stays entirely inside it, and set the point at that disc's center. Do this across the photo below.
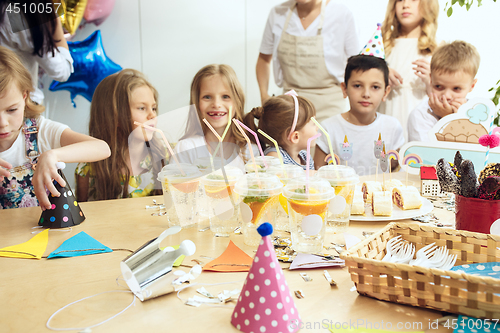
(79, 245)
(465, 324)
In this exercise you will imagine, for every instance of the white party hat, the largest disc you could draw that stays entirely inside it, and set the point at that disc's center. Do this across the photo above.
(265, 303)
(375, 46)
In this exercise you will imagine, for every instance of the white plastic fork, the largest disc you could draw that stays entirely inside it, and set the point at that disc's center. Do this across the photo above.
(392, 246)
(404, 254)
(450, 262)
(424, 254)
(438, 259)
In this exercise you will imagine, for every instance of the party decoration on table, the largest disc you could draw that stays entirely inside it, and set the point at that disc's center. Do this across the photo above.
(73, 11)
(303, 260)
(375, 46)
(489, 140)
(79, 245)
(330, 161)
(384, 159)
(429, 184)
(146, 271)
(391, 155)
(65, 211)
(98, 10)
(32, 249)
(345, 150)
(411, 160)
(233, 259)
(335, 161)
(378, 146)
(265, 303)
(91, 65)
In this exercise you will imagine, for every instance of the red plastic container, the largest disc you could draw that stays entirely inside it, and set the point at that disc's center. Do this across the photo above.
(476, 215)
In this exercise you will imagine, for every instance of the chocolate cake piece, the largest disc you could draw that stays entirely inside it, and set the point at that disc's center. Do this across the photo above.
(448, 180)
(489, 188)
(468, 180)
(458, 159)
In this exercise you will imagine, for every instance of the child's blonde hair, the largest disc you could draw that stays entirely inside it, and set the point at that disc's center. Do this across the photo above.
(276, 117)
(111, 121)
(238, 96)
(454, 57)
(13, 71)
(429, 10)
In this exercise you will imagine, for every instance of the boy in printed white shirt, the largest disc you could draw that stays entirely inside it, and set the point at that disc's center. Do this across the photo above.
(453, 70)
(367, 85)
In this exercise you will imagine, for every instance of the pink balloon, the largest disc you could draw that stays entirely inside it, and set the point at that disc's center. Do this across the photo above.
(98, 10)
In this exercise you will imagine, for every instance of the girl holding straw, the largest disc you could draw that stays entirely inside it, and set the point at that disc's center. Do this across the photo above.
(121, 103)
(286, 119)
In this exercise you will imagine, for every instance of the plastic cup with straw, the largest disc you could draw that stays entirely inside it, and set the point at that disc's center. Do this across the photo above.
(280, 157)
(308, 158)
(256, 140)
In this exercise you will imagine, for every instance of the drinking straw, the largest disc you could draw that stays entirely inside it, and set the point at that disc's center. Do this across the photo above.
(218, 137)
(280, 157)
(225, 131)
(236, 122)
(256, 140)
(490, 133)
(308, 157)
(328, 139)
(151, 128)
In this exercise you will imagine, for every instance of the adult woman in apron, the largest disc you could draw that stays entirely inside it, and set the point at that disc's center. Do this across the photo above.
(303, 62)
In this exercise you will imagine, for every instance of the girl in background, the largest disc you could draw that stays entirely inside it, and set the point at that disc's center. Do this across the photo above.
(120, 100)
(27, 140)
(409, 33)
(276, 117)
(214, 90)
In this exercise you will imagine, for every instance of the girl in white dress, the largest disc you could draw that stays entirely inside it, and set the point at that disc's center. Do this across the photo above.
(409, 33)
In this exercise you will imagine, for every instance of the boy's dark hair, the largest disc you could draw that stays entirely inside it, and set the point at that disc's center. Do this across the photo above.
(363, 63)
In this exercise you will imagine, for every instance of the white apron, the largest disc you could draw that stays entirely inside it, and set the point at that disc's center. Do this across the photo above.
(304, 69)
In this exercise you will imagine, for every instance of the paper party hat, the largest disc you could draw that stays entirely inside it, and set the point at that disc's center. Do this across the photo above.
(265, 303)
(79, 245)
(375, 46)
(32, 249)
(65, 210)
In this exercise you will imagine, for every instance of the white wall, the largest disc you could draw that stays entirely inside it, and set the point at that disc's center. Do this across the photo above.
(171, 40)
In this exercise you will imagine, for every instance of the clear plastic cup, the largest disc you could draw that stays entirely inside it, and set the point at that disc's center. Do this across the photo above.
(259, 200)
(204, 164)
(168, 202)
(223, 202)
(343, 179)
(183, 187)
(259, 161)
(308, 202)
(284, 173)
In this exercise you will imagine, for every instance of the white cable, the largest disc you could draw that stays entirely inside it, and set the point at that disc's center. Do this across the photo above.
(86, 328)
(40, 226)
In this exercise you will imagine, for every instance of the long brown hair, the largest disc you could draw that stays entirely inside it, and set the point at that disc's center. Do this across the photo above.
(429, 10)
(13, 71)
(275, 118)
(238, 96)
(111, 121)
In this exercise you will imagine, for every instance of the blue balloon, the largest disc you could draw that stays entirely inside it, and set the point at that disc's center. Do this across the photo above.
(91, 66)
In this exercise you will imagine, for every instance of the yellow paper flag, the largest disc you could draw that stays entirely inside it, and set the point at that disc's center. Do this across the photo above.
(32, 249)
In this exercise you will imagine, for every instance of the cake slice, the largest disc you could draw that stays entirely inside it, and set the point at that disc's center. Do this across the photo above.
(358, 204)
(368, 188)
(382, 203)
(406, 197)
(389, 185)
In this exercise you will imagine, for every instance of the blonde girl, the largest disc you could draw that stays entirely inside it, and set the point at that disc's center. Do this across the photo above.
(409, 34)
(28, 140)
(276, 118)
(214, 90)
(119, 101)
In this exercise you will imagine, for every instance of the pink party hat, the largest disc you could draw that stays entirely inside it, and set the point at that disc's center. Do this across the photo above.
(265, 303)
(375, 46)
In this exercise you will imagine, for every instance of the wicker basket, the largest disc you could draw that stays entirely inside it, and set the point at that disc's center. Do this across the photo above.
(428, 287)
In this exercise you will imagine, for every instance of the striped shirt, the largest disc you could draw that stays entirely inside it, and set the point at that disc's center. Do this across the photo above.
(287, 159)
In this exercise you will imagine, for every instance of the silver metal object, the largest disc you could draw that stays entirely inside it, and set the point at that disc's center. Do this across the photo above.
(146, 270)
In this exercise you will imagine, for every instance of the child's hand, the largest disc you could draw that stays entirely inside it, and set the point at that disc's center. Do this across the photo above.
(45, 172)
(395, 80)
(423, 70)
(6, 165)
(441, 107)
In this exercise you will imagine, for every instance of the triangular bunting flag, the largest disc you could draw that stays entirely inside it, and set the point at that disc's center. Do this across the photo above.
(233, 259)
(32, 249)
(79, 245)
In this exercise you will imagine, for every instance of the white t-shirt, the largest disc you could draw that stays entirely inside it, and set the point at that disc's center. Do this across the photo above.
(362, 139)
(340, 37)
(49, 137)
(190, 149)
(404, 98)
(421, 121)
(59, 67)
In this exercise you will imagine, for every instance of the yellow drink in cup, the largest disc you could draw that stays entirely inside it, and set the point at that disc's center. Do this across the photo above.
(223, 202)
(284, 173)
(343, 179)
(307, 209)
(259, 201)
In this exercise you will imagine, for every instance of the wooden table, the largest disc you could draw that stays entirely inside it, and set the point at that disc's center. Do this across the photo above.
(32, 290)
